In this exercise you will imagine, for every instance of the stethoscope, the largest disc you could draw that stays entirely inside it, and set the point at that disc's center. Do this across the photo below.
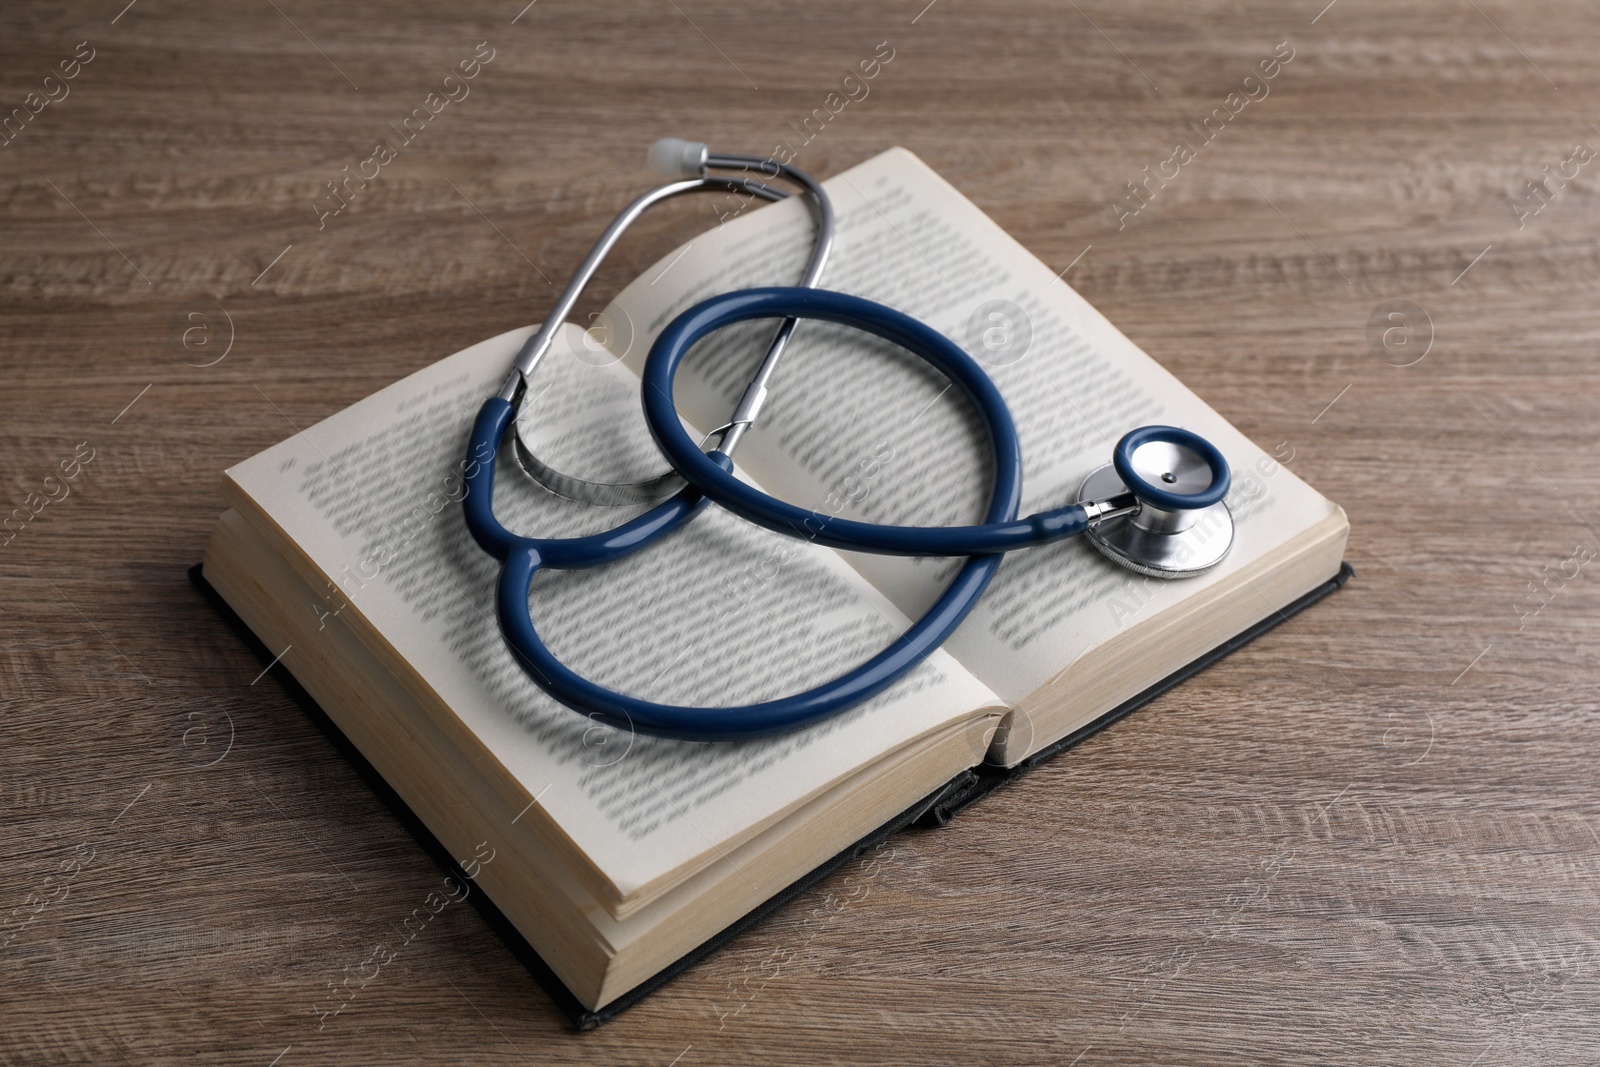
(1157, 508)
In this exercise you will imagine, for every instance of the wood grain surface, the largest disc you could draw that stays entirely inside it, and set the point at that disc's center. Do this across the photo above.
(1371, 837)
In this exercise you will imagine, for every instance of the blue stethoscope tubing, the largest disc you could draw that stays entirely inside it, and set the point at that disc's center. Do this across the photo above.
(714, 478)
(710, 478)
(522, 558)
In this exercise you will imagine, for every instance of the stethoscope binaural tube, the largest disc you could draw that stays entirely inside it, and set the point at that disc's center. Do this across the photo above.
(712, 475)
(689, 162)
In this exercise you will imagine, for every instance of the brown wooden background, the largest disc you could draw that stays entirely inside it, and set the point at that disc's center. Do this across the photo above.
(1373, 836)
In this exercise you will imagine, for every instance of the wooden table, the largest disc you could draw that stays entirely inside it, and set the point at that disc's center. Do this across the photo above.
(1372, 836)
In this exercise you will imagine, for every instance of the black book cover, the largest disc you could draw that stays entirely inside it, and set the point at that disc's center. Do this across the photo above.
(934, 810)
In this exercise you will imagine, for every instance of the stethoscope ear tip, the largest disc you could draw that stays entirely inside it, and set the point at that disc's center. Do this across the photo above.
(676, 158)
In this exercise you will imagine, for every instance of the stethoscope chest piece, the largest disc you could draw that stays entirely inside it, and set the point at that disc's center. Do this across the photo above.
(1168, 536)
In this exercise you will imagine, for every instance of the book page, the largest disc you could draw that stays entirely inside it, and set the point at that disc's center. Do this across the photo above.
(855, 427)
(719, 613)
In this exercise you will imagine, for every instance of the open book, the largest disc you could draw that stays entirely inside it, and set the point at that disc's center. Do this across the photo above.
(616, 855)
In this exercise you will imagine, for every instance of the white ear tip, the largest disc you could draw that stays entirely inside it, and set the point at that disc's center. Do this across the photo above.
(677, 158)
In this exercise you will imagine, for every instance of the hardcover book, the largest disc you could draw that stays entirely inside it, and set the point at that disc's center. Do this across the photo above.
(620, 858)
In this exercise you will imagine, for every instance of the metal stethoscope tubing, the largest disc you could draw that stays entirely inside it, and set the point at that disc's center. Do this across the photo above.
(685, 158)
